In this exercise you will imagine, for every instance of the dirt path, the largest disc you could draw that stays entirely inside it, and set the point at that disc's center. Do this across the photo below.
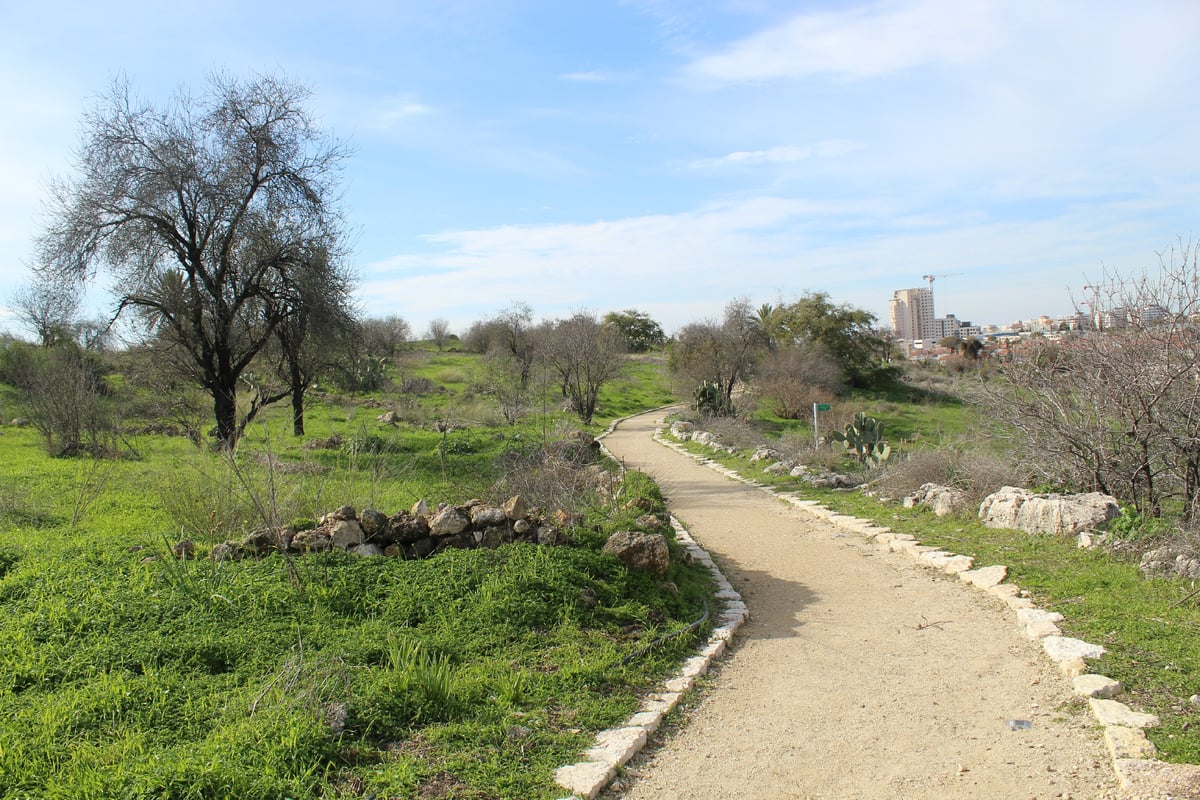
(858, 674)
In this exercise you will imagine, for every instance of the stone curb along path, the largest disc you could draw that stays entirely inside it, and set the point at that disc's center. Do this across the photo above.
(1132, 753)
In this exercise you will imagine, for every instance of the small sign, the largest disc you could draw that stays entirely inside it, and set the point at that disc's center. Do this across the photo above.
(823, 406)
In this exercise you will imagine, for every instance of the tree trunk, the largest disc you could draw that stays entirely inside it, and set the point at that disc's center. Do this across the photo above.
(225, 411)
(297, 403)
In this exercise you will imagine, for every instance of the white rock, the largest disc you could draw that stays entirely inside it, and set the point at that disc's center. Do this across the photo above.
(345, 533)
(1064, 648)
(1111, 712)
(1038, 623)
(985, 577)
(1126, 742)
(1091, 685)
(586, 779)
(617, 745)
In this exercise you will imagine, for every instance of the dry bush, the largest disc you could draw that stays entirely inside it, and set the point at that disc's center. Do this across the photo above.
(903, 477)
(979, 473)
(976, 473)
(734, 432)
(800, 448)
(553, 478)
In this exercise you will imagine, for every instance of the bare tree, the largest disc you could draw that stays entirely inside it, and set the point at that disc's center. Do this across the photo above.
(1117, 409)
(384, 337)
(439, 332)
(48, 309)
(61, 390)
(319, 333)
(585, 354)
(208, 212)
(502, 380)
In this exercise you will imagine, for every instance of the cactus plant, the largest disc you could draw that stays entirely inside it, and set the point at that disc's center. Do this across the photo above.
(864, 438)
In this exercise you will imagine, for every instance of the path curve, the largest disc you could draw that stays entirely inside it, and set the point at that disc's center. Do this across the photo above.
(859, 674)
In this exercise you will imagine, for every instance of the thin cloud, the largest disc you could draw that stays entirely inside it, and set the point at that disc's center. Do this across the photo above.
(784, 154)
(395, 112)
(593, 76)
(870, 41)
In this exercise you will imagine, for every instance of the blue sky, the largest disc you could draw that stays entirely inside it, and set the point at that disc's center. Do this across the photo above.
(668, 155)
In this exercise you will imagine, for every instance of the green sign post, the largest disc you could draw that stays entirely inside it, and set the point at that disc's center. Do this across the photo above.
(817, 436)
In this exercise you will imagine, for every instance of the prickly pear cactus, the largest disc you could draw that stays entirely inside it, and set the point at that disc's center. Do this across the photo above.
(864, 438)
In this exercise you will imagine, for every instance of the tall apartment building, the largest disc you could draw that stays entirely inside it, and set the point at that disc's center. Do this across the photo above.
(912, 314)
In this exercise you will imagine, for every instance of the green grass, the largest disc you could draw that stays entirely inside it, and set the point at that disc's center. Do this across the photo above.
(1150, 628)
(127, 673)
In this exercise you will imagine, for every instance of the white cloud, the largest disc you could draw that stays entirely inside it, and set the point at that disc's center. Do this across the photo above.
(783, 154)
(869, 41)
(593, 76)
(394, 112)
(765, 247)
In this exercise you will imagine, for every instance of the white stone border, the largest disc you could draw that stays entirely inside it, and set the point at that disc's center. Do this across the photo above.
(616, 746)
(1124, 729)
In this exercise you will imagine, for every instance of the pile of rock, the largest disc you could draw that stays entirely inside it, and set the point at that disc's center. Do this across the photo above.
(417, 533)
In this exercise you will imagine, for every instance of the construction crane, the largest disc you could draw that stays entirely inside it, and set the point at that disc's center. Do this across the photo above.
(931, 277)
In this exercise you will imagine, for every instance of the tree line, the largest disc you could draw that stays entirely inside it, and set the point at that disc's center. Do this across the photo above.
(217, 219)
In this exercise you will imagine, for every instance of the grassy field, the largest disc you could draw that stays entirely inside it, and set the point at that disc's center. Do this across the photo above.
(125, 672)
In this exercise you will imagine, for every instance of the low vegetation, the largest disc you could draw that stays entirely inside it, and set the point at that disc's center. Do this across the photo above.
(126, 671)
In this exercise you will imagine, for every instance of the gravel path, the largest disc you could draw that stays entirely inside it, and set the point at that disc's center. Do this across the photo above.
(859, 674)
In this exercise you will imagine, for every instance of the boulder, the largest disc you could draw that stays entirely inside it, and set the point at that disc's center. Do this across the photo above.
(267, 540)
(1013, 507)
(682, 430)
(483, 516)
(515, 508)
(345, 533)
(766, 454)
(372, 522)
(343, 513)
(448, 522)
(1171, 561)
(388, 418)
(406, 529)
(941, 500)
(316, 540)
(642, 551)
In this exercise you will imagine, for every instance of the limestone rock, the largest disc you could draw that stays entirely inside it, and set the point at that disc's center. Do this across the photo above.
(766, 454)
(1171, 561)
(345, 533)
(642, 551)
(1090, 685)
(483, 516)
(941, 500)
(1013, 507)
(985, 577)
(1111, 712)
(515, 508)
(448, 522)
(1126, 742)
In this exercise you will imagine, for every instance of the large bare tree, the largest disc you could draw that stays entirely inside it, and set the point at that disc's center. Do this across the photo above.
(211, 214)
(1117, 408)
(585, 354)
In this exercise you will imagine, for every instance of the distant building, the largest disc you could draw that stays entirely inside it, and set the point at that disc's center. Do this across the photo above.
(912, 314)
